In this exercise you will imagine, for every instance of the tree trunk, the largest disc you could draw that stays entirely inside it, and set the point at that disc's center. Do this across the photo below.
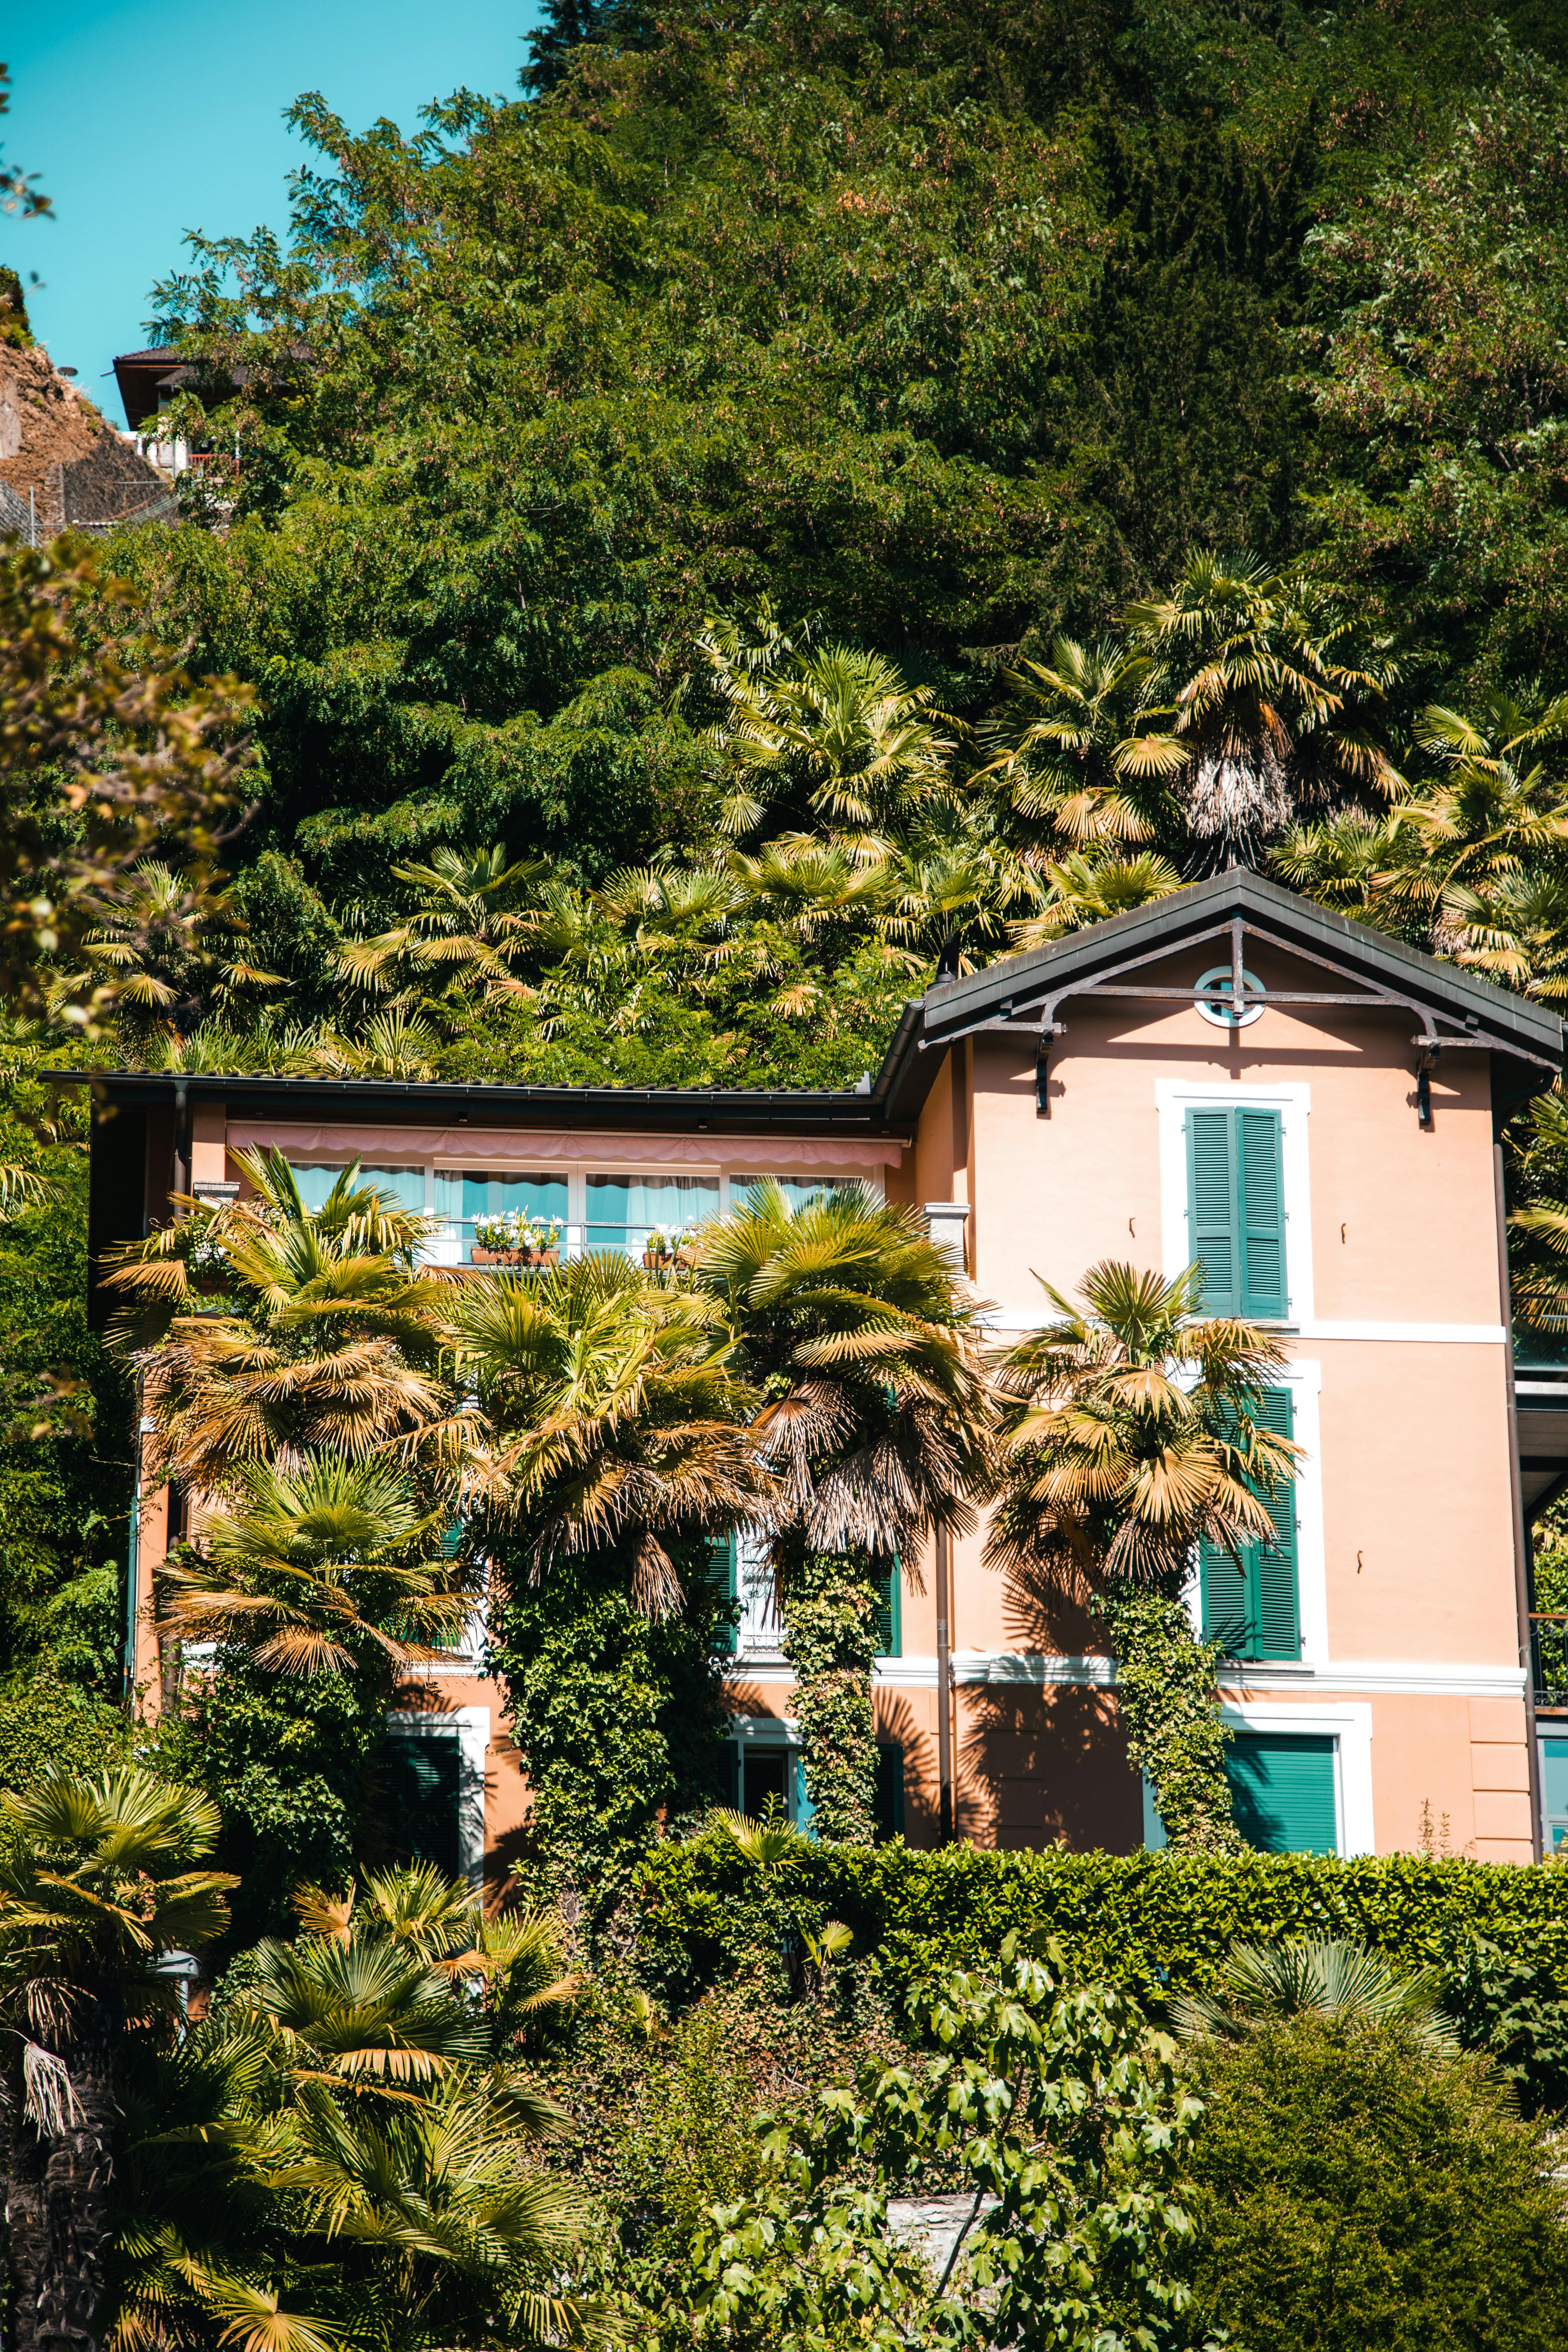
(57, 2197)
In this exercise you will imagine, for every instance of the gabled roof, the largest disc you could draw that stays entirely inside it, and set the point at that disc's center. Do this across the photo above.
(1453, 1007)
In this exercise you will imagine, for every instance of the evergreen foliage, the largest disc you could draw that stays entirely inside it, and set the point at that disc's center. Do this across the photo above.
(1352, 2190)
(619, 1719)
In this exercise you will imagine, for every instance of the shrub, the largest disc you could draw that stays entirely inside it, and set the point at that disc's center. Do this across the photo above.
(1353, 2194)
(1147, 1923)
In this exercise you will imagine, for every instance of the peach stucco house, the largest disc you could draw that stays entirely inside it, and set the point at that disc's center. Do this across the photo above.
(1332, 1156)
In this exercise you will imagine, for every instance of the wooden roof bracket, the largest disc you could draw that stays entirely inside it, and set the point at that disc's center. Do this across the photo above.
(1429, 1040)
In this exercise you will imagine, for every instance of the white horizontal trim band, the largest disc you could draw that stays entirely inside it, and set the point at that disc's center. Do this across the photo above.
(1416, 1677)
(1475, 1335)
(1393, 1677)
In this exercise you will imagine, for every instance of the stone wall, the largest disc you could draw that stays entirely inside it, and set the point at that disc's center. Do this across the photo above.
(57, 448)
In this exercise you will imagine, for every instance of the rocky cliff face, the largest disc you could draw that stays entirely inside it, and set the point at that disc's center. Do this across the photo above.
(57, 451)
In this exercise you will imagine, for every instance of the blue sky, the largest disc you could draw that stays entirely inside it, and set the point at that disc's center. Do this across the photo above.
(143, 125)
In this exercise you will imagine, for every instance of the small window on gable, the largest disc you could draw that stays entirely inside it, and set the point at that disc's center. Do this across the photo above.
(1250, 1599)
(1235, 1210)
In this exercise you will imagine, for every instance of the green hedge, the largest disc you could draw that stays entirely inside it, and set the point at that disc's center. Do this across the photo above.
(1146, 1922)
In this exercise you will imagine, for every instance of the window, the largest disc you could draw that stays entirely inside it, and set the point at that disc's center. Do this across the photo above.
(723, 1579)
(1282, 1786)
(889, 1790)
(622, 1211)
(889, 1615)
(406, 1186)
(1554, 1793)
(422, 1778)
(1235, 1210)
(741, 1575)
(768, 1766)
(1250, 1602)
(798, 1191)
(464, 1195)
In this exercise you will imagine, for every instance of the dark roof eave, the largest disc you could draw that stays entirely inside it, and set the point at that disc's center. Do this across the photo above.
(420, 1102)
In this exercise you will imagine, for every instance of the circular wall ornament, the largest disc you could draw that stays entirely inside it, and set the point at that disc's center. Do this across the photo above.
(1221, 1015)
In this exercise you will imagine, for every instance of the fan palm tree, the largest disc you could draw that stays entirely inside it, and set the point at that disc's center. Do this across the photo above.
(1247, 666)
(306, 1573)
(101, 1878)
(463, 938)
(1130, 1438)
(1470, 838)
(1079, 890)
(150, 955)
(859, 1336)
(325, 1340)
(830, 731)
(515, 1955)
(1062, 750)
(375, 2147)
(606, 1418)
(954, 886)
(1332, 1976)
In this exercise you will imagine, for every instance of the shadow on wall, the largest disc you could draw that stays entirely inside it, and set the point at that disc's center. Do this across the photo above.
(897, 1722)
(1036, 1616)
(1046, 1766)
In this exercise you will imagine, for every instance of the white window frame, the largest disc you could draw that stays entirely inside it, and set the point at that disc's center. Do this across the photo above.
(1174, 1099)
(1348, 1725)
(473, 1729)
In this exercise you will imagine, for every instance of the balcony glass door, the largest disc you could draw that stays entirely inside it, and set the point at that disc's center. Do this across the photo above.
(466, 1197)
(625, 1212)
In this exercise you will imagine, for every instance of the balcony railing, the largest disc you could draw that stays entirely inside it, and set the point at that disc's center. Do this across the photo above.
(455, 1243)
(1549, 1662)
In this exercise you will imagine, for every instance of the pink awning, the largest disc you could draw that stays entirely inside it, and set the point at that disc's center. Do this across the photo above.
(768, 1155)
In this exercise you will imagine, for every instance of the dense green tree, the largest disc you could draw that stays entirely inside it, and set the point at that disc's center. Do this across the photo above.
(1352, 2189)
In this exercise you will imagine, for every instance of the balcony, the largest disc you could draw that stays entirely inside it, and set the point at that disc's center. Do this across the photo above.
(1549, 1662)
(455, 1245)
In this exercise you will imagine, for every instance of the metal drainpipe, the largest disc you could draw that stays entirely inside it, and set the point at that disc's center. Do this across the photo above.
(181, 1137)
(1521, 1539)
(133, 1550)
(943, 1686)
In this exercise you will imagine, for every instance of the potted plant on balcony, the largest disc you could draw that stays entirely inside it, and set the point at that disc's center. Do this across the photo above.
(540, 1240)
(496, 1241)
(668, 1245)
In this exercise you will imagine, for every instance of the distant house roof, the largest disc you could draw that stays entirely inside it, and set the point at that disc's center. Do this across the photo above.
(143, 375)
(146, 377)
(1454, 1007)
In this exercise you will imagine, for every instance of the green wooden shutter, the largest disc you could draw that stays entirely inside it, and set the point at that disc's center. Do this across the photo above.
(1283, 1788)
(890, 1789)
(1225, 1589)
(1277, 1606)
(422, 1775)
(1251, 1603)
(1261, 1200)
(890, 1614)
(724, 1583)
(1211, 1209)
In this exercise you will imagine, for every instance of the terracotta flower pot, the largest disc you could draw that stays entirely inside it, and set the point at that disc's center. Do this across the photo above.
(479, 1256)
(656, 1260)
